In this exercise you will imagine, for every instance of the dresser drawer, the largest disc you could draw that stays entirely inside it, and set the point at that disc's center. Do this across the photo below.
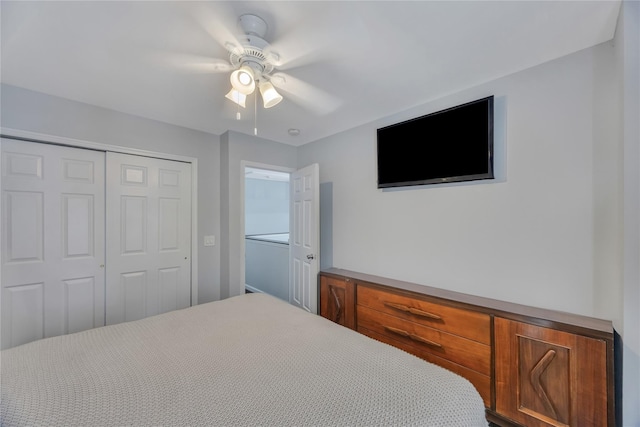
(469, 324)
(468, 353)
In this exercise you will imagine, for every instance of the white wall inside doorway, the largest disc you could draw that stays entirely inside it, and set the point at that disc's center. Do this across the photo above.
(266, 201)
(266, 230)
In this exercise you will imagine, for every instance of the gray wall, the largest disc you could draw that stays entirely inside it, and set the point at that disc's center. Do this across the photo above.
(627, 42)
(36, 112)
(235, 149)
(538, 236)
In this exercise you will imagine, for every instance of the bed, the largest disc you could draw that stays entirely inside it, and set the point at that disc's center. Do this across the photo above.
(250, 360)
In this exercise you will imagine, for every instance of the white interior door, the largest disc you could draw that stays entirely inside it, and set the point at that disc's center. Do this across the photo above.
(304, 238)
(148, 237)
(52, 241)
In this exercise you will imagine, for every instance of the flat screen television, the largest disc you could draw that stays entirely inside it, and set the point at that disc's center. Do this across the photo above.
(451, 145)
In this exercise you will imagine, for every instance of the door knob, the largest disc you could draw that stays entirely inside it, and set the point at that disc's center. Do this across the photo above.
(311, 256)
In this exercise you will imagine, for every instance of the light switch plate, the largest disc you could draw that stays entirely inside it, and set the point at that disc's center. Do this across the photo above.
(209, 240)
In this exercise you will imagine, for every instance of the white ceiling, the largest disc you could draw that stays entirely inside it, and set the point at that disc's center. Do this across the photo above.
(344, 63)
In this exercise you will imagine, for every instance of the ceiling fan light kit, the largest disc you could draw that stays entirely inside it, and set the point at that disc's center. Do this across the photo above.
(252, 64)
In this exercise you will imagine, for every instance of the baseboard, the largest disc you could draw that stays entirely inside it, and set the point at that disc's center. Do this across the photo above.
(252, 289)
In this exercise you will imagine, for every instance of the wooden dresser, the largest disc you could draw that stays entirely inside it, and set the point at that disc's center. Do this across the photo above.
(532, 367)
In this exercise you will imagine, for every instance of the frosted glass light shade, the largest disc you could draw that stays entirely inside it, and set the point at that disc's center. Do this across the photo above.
(237, 97)
(243, 81)
(270, 95)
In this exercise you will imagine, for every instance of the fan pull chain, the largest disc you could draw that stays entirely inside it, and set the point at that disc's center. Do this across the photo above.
(255, 115)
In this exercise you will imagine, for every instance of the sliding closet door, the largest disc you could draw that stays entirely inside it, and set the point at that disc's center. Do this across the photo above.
(148, 236)
(52, 241)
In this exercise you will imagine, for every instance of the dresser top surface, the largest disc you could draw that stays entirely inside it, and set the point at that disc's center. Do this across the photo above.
(507, 309)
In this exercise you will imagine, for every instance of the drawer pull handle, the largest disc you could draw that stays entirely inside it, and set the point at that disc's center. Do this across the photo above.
(412, 310)
(412, 336)
(534, 378)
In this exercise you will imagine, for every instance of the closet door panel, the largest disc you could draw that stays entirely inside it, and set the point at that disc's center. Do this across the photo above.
(52, 240)
(77, 226)
(149, 236)
(80, 314)
(22, 314)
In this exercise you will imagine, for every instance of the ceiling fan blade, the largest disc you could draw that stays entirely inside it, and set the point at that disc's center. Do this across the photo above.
(193, 63)
(219, 20)
(308, 96)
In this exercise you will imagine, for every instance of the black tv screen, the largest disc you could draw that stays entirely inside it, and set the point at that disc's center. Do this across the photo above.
(451, 145)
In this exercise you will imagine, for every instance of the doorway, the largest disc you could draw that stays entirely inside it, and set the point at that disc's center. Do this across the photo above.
(266, 225)
(303, 230)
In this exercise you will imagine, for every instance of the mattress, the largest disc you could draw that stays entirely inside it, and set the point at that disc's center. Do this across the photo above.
(250, 360)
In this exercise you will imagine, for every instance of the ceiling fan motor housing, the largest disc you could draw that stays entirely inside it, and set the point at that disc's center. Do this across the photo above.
(252, 24)
(254, 52)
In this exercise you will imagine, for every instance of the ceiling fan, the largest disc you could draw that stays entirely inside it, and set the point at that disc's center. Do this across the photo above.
(256, 65)
(253, 63)
(277, 69)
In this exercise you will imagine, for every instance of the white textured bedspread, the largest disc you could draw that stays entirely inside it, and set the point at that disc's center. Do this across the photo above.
(251, 360)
